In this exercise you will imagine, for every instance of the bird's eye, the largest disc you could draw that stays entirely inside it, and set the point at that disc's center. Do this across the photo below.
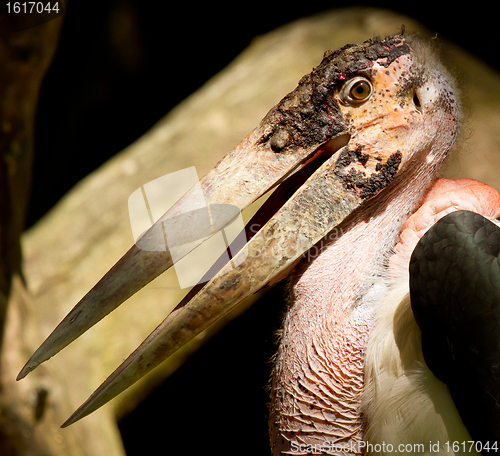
(356, 91)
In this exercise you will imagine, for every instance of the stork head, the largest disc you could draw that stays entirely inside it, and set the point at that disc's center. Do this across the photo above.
(357, 123)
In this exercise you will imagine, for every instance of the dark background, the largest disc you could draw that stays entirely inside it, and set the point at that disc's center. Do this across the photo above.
(115, 74)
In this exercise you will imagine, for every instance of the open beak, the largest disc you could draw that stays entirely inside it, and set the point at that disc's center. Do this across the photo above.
(241, 177)
(310, 148)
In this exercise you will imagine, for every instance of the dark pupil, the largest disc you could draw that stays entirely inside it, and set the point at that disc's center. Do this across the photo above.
(360, 89)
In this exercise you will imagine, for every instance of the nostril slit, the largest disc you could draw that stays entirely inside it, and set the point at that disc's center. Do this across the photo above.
(416, 101)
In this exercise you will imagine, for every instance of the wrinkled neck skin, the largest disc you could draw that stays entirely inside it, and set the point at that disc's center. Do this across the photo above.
(318, 377)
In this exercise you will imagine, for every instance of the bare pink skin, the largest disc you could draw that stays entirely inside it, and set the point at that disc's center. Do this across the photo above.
(318, 382)
(447, 196)
(319, 378)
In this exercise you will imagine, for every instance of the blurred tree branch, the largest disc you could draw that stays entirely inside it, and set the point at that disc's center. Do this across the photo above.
(25, 57)
(30, 413)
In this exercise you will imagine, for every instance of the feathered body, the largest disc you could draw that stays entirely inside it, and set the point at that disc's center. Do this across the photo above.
(349, 372)
(403, 402)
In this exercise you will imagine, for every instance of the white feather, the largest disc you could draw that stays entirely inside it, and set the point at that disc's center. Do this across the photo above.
(403, 403)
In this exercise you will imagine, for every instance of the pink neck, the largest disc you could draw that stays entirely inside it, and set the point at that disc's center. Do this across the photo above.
(318, 377)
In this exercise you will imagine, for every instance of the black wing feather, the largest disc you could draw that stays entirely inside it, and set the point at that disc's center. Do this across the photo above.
(455, 297)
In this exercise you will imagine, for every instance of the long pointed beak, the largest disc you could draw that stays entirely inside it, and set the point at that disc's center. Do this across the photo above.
(274, 249)
(320, 148)
(240, 178)
(292, 133)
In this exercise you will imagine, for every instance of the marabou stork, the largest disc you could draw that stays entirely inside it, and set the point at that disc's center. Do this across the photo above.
(391, 336)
